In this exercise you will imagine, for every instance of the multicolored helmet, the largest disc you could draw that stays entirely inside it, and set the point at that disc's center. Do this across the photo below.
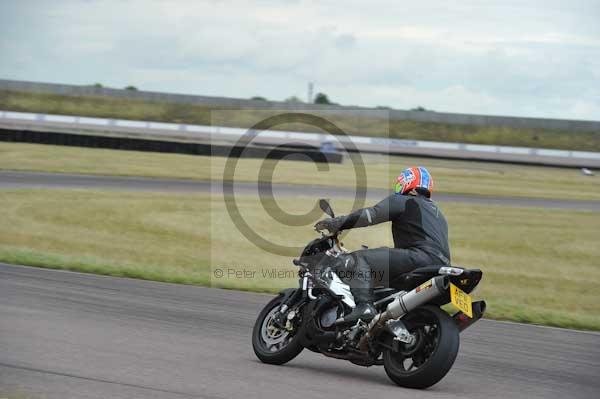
(417, 178)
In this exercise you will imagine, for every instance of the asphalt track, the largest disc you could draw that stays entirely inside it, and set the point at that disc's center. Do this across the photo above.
(13, 180)
(70, 335)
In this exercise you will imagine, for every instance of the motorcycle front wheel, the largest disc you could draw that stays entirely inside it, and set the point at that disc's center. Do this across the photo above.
(272, 344)
(428, 359)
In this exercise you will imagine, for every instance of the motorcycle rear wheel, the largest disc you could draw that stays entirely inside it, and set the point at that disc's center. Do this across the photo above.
(271, 344)
(429, 359)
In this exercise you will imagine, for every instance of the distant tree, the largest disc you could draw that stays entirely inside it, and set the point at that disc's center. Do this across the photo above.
(97, 85)
(383, 107)
(132, 88)
(258, 98)
(419, 108)
(321, 98)
(293, 99)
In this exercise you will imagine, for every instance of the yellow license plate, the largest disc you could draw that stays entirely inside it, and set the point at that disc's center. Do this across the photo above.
(461, 300)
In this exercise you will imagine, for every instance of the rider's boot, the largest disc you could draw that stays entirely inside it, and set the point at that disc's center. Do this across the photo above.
(358, 274)
(364, 309)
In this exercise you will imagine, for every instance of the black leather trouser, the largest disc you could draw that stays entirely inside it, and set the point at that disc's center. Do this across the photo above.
(368, 268)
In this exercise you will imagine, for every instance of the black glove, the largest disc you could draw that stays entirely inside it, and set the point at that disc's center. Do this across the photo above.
(333, 225)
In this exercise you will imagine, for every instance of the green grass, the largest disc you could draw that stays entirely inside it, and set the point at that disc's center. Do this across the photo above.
(110, 107)
(459, 177)
(17, 394)
(540, 266)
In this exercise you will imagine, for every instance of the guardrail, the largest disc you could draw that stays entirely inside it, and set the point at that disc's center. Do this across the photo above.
(200, 133)
(393, 114)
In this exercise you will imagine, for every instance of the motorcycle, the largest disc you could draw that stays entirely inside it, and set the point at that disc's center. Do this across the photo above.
(411, 336)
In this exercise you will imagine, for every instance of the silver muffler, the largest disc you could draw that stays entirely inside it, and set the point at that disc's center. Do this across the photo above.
(403, 304)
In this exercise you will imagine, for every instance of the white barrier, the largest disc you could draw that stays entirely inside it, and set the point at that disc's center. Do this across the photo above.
(232, 132)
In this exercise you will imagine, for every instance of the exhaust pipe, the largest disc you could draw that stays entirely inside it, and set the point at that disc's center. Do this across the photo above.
(403, 304)
(424, 293)
(463, 321)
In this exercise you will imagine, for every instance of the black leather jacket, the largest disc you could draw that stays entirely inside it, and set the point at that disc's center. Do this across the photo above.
(417, 222)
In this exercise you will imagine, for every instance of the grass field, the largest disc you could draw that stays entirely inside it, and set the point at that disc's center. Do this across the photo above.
(110, 107)
(450, 176)
(16, 394)
(540, 265)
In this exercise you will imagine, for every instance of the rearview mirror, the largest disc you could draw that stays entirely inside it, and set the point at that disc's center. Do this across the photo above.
(325, 207)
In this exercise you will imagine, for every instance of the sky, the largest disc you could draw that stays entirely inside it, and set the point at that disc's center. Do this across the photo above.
(520, 58)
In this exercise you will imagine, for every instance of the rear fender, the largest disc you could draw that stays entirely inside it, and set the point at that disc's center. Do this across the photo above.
(463, 321)
(468, 280)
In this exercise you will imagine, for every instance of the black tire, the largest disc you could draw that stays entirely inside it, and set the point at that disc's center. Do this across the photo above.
(440, 359)
(290, 350)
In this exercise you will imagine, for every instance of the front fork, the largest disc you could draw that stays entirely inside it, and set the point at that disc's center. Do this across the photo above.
(291, 296)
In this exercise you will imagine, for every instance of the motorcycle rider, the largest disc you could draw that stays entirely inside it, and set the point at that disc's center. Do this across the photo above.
(420, 234)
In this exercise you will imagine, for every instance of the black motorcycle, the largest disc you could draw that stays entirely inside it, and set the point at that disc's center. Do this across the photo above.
(415, 340)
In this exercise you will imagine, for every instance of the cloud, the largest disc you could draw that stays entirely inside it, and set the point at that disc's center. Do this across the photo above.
(535, 58)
